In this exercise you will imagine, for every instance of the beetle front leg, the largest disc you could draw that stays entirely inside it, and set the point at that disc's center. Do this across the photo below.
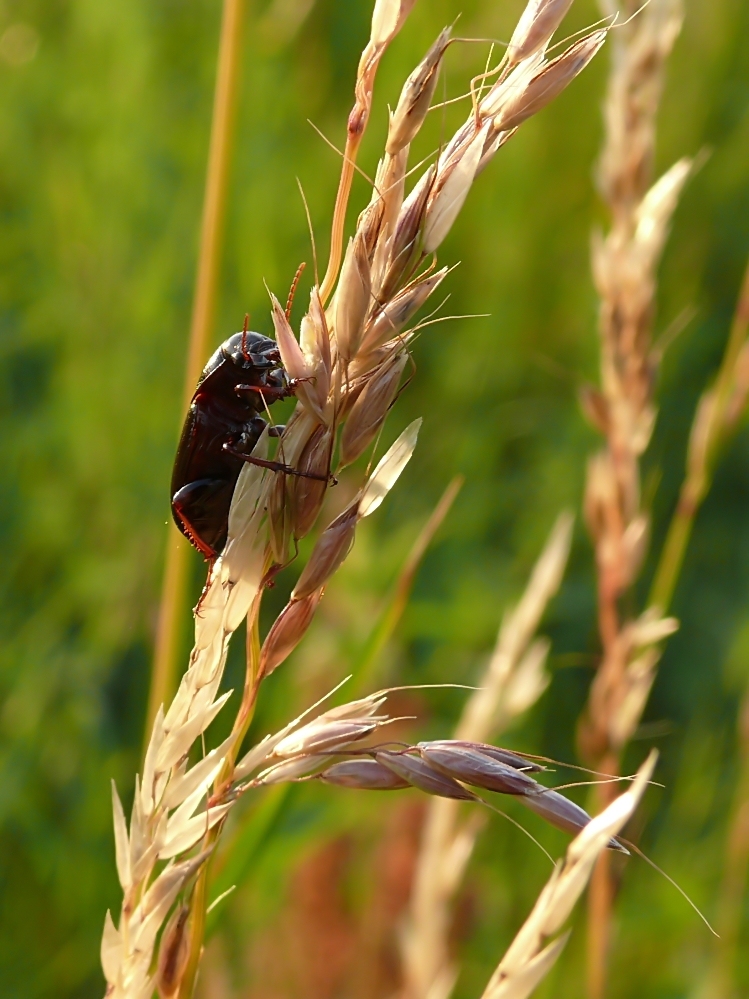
(271, 393)
(274, 466)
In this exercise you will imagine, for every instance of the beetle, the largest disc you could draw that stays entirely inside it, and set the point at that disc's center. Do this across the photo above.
(221, 428)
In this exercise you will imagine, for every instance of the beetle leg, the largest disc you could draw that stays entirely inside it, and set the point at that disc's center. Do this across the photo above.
(271, 392)
(277, 430)
(293, 382)
(274, 466)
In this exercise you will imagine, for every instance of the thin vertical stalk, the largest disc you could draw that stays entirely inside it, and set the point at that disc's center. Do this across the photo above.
(700, 472)
(601, 896)
(353, 141)
(174, 588)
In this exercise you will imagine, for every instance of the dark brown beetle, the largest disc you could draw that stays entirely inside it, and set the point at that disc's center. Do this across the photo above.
(222, 427)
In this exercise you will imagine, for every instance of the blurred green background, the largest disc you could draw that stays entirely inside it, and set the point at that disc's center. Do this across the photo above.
(104, 122)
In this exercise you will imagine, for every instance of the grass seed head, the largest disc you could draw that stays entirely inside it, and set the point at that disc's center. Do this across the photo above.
(371, 408)
(505, 756)
(391, 184)
(331, 549)
(364, 775)
(416, 96)
(421, 774)
(534, 30)
(451, 190)
(287, 631)
(353, 298)
(562, 813)
(547, 84)
(324, 735)
(291, 770)
(406, 240)
(306, 495)
(390, 320)
(475, 768)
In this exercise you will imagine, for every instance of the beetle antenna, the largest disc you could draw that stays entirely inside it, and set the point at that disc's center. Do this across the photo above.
(292, 289)
(245, 354)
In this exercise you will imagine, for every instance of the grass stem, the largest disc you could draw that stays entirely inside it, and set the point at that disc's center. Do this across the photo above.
(173, 595)
(700, 472)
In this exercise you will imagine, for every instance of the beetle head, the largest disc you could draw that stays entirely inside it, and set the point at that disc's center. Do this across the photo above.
(252, 351)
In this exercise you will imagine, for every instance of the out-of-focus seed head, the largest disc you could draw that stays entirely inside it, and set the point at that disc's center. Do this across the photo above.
(390, 320)
(287, 631)
(174, 951)
(595, 406)
(365, 775)
(635, 543)
(600, 495)
(537, 24)
(655, 210)
(331, 549)
(353, 298)
(650, 628)
(451, 191)
(416, 96)
(370, 409)
(422, 775)
(306, 495)
(521, 103)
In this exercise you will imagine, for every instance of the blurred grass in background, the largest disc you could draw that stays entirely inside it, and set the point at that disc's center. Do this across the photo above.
(104, 120)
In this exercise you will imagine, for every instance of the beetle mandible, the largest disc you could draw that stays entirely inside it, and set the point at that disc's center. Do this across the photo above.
(222, 427)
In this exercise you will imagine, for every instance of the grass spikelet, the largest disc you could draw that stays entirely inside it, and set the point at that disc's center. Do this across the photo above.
(346, 364)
